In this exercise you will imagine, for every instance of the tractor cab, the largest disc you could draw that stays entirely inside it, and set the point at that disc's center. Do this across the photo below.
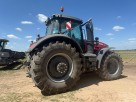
(58, 24)
(73, 28)
(67, 25)
(3, 43)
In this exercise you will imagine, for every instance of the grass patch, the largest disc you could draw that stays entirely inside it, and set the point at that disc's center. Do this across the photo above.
(128, 56)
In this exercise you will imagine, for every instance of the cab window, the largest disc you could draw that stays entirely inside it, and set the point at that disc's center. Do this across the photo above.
(53, 27)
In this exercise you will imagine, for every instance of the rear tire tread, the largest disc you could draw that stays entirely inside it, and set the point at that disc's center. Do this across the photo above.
(46, 87)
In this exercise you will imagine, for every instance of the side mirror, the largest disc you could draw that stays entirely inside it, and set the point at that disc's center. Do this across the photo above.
(97, 40)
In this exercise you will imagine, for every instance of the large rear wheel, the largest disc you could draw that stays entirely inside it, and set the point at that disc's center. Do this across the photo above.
(56, 68)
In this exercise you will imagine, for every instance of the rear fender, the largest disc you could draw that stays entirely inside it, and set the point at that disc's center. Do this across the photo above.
(101, 53)
(53, 38)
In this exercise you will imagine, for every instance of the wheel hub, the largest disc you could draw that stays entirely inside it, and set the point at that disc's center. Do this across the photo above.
(62, 68)
(113, 66)
(59, 67)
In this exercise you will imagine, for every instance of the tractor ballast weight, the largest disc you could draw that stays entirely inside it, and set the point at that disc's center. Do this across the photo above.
(56, 61)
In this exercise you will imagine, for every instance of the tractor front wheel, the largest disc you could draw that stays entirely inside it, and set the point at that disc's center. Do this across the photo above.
(111, 66)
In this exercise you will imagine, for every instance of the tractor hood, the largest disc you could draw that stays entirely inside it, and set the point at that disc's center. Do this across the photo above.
(100, 46)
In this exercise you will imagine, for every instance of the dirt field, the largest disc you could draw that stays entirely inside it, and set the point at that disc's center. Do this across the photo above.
(16, 87)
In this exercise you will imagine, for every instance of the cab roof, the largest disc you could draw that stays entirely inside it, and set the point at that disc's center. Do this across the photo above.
(64, 17)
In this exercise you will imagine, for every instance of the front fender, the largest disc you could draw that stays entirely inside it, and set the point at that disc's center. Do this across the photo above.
(101, 54)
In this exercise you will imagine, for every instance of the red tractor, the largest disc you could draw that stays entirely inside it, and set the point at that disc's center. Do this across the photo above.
(56, 61)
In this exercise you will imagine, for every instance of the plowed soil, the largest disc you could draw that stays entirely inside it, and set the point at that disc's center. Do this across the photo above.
(16, 87)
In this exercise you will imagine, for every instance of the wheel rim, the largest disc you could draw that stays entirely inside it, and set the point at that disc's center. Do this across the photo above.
(59, 67)
(113, 66)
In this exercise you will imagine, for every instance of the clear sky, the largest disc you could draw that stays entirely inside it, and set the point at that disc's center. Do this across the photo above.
(114, 20)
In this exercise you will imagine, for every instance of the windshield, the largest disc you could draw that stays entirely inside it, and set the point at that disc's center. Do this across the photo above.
(56, 27)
